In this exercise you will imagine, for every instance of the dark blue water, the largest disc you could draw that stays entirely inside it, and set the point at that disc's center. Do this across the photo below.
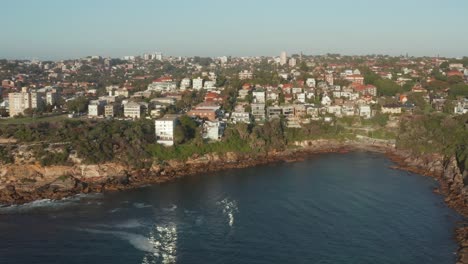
(334, 208)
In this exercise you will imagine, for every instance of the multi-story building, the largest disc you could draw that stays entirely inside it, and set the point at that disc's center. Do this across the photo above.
(245, 75)
(283, 58)
(197, 83)
(18, 102)
(258, 111)
(96, 108)
(213, 130)
(111, 110)
(52, 97)
(259, 96)
(292, 62)
(185, 84)
(355, 78)
(133, 110)
(164, 128)
(163, 84)
(365, 111)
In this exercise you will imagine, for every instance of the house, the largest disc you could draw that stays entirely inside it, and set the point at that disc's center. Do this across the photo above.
(417, 88)
(391, 109)
(163, 84)
(355, 78)
(334, 110)
(213, 130)
(245, 75)
(213, 97)
(365, 111)
(365, 89)
(326, 100)
(240, 117)
(164, 128)
(259, 96)
(300, 110)
(454, 73)
(461, 107)
(310, 82)
(207, 111)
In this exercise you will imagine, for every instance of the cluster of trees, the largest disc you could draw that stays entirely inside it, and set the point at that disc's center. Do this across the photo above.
(94, 141)
(435, 133)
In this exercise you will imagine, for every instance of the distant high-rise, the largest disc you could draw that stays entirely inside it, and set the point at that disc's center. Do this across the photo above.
(283, 58)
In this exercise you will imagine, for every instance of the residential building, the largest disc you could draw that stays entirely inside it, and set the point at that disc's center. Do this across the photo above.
(213, 130)
(240, 117)
(18, 102)
(283, 58)
(163, 84)
(52, 97)
(96, 108)
(259, 96)
(258, 111)
(185, 84)
(461, 107)
(310, 82)
(391, 109)
(133, 110)
(111, 110)
(197, 83)
(274, 112)
(245, 75)
(292, 62)
(355, 78)
(164, 128)
(365, 111)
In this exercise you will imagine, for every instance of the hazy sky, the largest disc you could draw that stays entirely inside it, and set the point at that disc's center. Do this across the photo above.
(58, 29)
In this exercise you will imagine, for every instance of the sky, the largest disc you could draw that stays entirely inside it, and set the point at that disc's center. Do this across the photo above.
(62, 29)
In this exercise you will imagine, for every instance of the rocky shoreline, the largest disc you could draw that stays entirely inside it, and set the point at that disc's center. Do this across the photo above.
(26, 183)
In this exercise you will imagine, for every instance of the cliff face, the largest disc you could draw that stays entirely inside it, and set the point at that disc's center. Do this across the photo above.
(24, 182)
(453, 181)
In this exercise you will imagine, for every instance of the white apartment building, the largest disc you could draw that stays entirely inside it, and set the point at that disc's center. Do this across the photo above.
(185, 83)
(18, 102)
(197, 83)
(164, 128)
(365, 111)
(96, 108)
(133, 110)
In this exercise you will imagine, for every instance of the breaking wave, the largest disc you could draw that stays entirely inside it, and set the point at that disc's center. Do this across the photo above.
(229, 208)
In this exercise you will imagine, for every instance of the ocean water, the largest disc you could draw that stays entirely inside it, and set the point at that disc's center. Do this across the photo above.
(332, 208)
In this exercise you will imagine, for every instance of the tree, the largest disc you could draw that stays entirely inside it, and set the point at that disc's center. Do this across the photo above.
(79, 105)
(387, 87)
(459, 90)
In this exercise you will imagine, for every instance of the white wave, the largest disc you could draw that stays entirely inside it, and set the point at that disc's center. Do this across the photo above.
(130, 224)
(171, 209)
(138, 241)
(229, 208)
(141, 205)
(50, 204)
(115, 210)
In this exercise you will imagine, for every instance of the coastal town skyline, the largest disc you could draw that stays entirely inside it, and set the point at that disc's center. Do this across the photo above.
(221, 28)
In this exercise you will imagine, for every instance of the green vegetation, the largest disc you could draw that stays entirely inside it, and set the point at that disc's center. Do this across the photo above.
(435, 133)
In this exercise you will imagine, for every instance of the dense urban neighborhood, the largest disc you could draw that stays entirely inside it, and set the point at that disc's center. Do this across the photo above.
(174, 107)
